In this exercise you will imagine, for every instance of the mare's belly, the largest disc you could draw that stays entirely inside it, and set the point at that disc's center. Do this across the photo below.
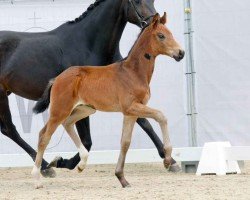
(30, 86)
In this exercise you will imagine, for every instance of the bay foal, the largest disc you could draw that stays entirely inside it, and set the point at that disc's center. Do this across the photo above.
(120, 87)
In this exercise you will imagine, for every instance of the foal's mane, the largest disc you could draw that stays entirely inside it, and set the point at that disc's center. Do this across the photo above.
(83, 15)
(142, 30)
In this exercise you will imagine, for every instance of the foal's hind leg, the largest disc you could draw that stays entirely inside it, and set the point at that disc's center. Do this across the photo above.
(44, 138)
(128, 125)
(8, 129)
(83, 153)
(83, 130)
(79, 113)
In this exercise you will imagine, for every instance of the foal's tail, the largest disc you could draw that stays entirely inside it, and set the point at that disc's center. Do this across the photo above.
(43, 103)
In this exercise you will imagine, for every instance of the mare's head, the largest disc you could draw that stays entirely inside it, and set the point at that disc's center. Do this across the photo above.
(139, 12)
(161, 40)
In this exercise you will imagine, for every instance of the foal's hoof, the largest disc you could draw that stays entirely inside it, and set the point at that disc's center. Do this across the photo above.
(38, 186)
(167, 162)
(124, 183)
(81, 166)
(48, 173)
(79, 169)
(54, 162)
(127, 186)
(175, 168)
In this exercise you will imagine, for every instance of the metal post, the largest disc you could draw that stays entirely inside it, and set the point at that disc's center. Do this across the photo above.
(190, 75)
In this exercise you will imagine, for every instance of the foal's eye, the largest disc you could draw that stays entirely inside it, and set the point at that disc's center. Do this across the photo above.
(161, 36)
(137, 1)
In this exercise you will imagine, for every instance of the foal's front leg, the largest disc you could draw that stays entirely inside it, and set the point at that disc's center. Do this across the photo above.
(128, 125)
(140, 110)
(146, 126)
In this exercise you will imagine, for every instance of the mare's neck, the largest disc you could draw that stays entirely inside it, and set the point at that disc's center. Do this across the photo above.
(100, 31)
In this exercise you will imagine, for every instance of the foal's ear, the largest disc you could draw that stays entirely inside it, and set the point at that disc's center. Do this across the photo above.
(156, 20)
(163, 19)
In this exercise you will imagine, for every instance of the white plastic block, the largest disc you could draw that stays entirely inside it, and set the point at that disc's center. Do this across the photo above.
(214, 160)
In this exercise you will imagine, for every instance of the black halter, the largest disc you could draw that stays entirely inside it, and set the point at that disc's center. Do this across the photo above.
(140, 17)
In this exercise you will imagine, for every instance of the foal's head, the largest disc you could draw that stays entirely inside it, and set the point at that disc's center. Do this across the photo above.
(161, 39)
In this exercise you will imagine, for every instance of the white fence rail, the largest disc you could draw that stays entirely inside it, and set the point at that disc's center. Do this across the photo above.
(134, 156)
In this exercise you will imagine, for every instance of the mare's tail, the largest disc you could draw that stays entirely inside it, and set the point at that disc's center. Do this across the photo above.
(43, 103)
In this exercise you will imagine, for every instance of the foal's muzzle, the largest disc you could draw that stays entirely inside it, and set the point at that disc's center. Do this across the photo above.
(180, 56)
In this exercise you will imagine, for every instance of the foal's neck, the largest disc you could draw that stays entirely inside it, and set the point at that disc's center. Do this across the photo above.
(141, 61)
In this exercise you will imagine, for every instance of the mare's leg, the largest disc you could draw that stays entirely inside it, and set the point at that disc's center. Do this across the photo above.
(128, 125)
(84, 133)
(83, 129)
(9, 130)
(44, 138)
(146, 126)
(141, 110)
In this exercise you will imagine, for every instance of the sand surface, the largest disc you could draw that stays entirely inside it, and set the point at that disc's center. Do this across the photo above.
(148, 181)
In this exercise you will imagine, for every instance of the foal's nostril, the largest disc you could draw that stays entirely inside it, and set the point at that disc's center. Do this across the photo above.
(181, 54)
(178, 57)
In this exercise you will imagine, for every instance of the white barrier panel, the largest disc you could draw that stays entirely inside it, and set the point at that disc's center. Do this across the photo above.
(214, 160)
(134, 156)
(237, 153)
(105, 157)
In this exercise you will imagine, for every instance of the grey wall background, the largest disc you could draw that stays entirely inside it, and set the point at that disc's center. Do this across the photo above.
(222, 61)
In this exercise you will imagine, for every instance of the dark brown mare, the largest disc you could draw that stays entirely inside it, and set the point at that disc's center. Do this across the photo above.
(120, 87)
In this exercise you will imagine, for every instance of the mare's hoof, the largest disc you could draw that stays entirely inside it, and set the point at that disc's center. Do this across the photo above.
(54, 162)
(175, 168)
(48, 173)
